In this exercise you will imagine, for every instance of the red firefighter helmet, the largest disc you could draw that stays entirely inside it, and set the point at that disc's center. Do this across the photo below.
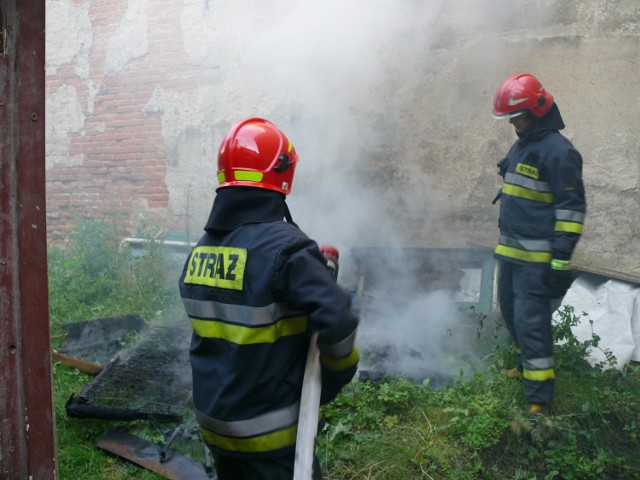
(519, 93)
(255, 153)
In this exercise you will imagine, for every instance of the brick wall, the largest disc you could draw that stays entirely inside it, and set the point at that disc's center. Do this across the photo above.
(114, 163)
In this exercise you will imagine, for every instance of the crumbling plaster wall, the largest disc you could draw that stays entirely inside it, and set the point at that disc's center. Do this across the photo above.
(393, 123)
(587, 53)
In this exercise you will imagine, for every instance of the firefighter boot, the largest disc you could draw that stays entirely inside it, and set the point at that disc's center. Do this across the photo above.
(512, 372)
(537, 410)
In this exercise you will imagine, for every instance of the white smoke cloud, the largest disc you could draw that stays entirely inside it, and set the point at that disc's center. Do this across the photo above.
(416, 336)
(337, 77)
(320, 71)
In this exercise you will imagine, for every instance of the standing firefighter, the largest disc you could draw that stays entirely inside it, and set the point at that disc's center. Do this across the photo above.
(542, 210)
(255, 289)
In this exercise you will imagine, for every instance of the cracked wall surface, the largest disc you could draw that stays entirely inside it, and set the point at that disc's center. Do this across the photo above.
(389, 107)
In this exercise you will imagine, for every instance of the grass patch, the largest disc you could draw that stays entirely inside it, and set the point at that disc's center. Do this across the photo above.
(390, 429)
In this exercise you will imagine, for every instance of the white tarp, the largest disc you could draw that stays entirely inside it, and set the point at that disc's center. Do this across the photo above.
(614, 308)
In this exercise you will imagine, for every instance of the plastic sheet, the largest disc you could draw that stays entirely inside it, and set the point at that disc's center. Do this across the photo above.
(614, 308)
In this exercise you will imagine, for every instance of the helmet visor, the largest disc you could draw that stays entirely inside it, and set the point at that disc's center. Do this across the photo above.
(508, 115)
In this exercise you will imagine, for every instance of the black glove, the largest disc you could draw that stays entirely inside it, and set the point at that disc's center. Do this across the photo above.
(560, 278)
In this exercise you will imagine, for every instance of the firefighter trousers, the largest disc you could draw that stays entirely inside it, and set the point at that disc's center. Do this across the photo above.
(279, 468)
(526, 307)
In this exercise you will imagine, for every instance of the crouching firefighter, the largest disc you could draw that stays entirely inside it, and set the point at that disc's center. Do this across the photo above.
(255, 289)
(542, 211)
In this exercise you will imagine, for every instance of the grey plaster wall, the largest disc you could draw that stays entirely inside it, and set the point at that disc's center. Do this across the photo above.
(387, 103)
(587, 54)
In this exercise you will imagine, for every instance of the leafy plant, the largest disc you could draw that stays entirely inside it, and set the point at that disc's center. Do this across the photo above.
(570, 350)
(475, 428)
(94, 275)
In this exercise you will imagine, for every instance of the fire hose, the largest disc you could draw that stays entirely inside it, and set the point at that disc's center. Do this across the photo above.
(311, 389)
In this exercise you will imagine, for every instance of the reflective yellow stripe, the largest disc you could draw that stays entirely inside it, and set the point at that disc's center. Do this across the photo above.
(221, 177)
(570, 227)
(263, 443)
(338, 364)
(249, 336)
(539, 375)
(221, 267)
(560, 264)
(526, 193)
(247, 175)
(537, 257)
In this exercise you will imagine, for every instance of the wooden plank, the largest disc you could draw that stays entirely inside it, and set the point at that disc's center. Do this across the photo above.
(581, 264)
(77, 363)
(605, 272)
(27, 438)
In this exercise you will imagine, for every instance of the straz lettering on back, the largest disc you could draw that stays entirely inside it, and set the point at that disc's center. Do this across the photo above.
(221, 267)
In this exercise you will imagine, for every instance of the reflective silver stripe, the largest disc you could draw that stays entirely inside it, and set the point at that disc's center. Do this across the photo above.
(528, 245)
(238, 314)
(538, 363)
(530, 183)
(251, 427)
(341, 349)
(570, 215)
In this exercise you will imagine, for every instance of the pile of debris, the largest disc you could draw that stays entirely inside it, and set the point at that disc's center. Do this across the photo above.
(141, 372)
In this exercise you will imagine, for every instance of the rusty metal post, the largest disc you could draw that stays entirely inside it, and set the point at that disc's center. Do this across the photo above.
(27, 437)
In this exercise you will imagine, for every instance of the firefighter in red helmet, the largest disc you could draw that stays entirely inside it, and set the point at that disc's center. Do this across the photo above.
(255, 288)
(542, 212)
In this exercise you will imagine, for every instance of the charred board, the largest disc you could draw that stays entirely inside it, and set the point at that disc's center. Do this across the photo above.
(153, 457)
(99, 340)
(151, 381)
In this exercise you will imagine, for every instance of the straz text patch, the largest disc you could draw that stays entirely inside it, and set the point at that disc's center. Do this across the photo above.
(221, 267)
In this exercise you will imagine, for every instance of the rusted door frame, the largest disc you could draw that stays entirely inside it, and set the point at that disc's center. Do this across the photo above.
(27, 434)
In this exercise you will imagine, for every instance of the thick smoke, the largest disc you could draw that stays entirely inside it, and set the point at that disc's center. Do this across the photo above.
(331, 63)
(415, 337)
(343, 71)
(338, 77)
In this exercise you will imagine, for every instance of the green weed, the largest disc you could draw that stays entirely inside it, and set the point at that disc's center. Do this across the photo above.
(392, 429)
(94, 276)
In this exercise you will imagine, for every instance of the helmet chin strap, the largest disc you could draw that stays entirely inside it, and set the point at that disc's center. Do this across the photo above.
(287, 215)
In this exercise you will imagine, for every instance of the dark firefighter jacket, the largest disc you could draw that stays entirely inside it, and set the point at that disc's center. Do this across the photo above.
(542, 202)
(254, 288)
